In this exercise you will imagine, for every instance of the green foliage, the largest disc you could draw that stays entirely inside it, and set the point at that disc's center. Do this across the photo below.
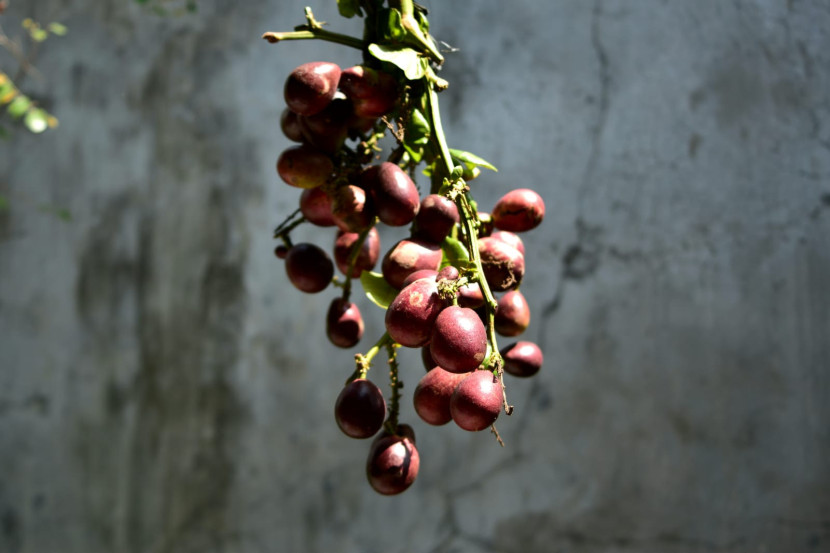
(377, 289)
(413, 65)
(349, 8)
(39, 33)
(455, 253)
(21, 107)
(471, 160)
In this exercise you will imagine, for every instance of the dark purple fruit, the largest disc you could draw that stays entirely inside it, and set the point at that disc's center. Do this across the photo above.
(309, 268)
(476, 401)
(519, 211)
(344, 324)
(366, 258)
(503, 265)
(411, 315)
(352, 209)
(417, 275)
(510, 238)
(392, 465)
(426, 358)
(311, 86)
(436, 218)
(432, 395)
(408, 256)
(458, 342)
(290, 125)
(373, 92)
(281, 251)
(360, 409)
(315, 205)
(470, 295)
(328, 129)
(304, 166)
(522, 359)
(394, 194)
(512, 314)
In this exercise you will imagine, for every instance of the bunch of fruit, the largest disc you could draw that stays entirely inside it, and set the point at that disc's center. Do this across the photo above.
(437, 284)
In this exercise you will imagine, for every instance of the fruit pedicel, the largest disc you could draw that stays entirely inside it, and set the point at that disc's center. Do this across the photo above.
(437, 285)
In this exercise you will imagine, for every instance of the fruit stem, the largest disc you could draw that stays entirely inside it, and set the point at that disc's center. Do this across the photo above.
(284, 229)
(314, 29)
(396, 385)
(364, 362)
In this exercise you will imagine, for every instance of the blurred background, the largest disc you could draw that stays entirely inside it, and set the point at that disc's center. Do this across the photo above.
(163, 387)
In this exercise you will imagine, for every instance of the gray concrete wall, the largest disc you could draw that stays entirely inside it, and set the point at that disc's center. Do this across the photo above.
(164, 389)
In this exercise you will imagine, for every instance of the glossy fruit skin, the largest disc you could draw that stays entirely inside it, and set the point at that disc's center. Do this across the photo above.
(411, 315)
(503, 265)
(352, 209)
(432, 395)
(328, 129)
(315, 205)
(395, 195)
(304, 166)
(510, 238)
(408, 256)
(360, 409)
(417, 275)
(522, 359)
(366, 258)
(519, 210)
(476, 402)
(512, 314)
(470, 295)
(449, 272)
(458, 342)
(309, 268)
(344, 323)
(311, 86)
(290, 125)
(373, 92)
(404, 431)
(392, 465)
(436, 217)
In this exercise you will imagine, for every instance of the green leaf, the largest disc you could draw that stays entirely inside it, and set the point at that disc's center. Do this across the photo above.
(38, 34)
(394, 28)
(377, 289)
(349, 8)
(460, 156)
(58, 29)
(407, 59)
(18, 106)
(455, 253)
(416, 135)
(36, 120)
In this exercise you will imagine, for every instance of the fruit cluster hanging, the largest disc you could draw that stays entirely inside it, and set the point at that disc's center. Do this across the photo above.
(437, 285)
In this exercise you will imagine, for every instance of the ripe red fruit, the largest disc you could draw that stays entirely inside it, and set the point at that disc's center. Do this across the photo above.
(392, 465)
(328, 129)
(470, 295)
(315, 205)
(411, 315)
(373, 92)
(417, 275)
(311, 86)
(512, 314)
(344, 324)
(394, 194)
(519, 211)
(476, 402)
(510, 238)
(408, 256)
(281, 251)
(304, 166)
(360, 409)
(351, 209)
(458, 341)
(290, 125)
(449, 272)
(503, 265)
(366, 258)
(522, 359)
(309, 268)
(436, 217)
(432, 395)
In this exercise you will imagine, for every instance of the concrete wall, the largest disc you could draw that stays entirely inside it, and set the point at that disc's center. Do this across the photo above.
(164, 389)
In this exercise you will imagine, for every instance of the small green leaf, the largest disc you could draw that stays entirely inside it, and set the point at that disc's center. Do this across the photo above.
(349, 8)
(394, 28)
(460, 156)
(36, 120)
(58, 29)
(455, 253)
(377, 289)
(38, 34)
(18, 106)
(407, 59)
